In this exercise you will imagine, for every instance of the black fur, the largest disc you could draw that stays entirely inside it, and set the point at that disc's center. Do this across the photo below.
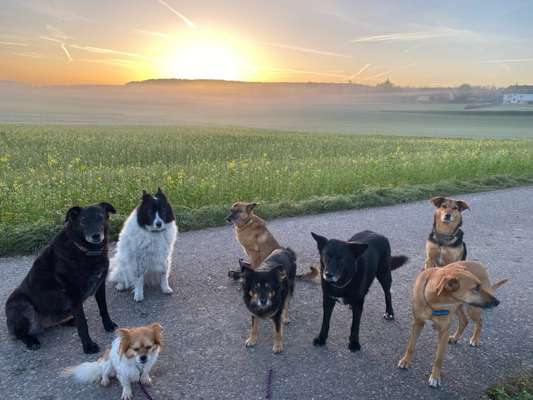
(150, 205)
(347, 271)
(71, 268)
(276, 274)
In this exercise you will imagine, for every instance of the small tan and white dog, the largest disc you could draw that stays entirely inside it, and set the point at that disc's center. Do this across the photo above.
(131, 357)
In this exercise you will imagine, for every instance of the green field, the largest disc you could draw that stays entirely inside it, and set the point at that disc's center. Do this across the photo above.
(45, 169)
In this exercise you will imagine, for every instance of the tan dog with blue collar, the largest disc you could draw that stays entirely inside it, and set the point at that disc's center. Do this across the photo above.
(437, 294)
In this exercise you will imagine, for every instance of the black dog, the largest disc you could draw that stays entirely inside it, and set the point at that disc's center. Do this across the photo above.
(267, 291)
(347, 271)
(70, 269)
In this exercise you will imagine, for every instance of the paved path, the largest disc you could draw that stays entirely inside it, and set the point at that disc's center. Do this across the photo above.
(206, 322)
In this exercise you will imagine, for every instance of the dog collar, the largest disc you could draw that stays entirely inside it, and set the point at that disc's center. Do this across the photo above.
(89, 252)
(452, 240)
(438, 312)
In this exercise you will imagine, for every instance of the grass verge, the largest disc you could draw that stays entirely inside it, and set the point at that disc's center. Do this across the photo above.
(30, 237)
(518, 388)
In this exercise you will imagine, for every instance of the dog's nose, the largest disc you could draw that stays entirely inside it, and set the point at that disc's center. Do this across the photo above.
(495, 302)
(329, 277)
(228, 218)
(447, 216)
(96, 237)
(143, 359)
(158, 224)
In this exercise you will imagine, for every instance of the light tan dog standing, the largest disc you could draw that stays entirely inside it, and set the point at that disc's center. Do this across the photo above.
(437, 294)
(445, 242)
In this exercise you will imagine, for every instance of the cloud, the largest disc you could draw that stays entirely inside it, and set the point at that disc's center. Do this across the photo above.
(509, 60)
(307, 50)
(100, 50)
(363, 69)
(412, 36)
(187, 21)
(14, 44)
(117, 62)
(152, 33)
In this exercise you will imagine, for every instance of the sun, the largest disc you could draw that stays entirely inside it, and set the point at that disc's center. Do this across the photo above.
(207, 56)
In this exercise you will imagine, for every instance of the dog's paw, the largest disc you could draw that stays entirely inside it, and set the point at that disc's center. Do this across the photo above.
(354, 346)
(146, 380)
(104, 382)
(120, 286)
(126, 395)
(250, 342)
(434, 381)
(277, 348)
(474, 342)
(403, 363)
(138, 297)
(33, 344)
(319, 341)
(388, 317)
(286, 321)
(110, 326)
(453, 340)
(167, 290)
(90, 348)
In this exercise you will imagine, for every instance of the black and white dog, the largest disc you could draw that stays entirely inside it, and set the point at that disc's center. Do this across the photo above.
(70, 269)
(145, 245)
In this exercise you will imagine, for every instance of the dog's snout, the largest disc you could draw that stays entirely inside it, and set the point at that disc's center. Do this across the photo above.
(447, 216)
(143, 358)
(495, 302)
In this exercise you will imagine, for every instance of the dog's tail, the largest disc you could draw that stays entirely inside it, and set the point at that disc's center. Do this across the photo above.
(87, 372)
(397, 261)
(312, 275)
(499, 283)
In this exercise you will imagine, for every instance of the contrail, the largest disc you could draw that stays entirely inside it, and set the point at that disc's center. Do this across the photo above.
(187, 21)
(410, 36)
(152, 33)
(307, 50)
(511, 60)
(13, 44)
(299, 71)
(61, 45)
(99, 50)
(363, 69)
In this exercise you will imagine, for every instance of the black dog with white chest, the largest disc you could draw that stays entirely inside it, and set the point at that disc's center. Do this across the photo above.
(71, 268)
(348, 269)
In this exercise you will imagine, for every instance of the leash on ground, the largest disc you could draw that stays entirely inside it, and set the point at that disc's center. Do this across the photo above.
(269, 385)
(146, 394)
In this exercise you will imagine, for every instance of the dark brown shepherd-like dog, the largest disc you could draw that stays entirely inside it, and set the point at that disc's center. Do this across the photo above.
(255, 238)
(445, 242)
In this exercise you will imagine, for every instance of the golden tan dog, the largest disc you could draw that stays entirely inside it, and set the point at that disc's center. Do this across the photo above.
(254, 237)
(445, 242)
(437, 294)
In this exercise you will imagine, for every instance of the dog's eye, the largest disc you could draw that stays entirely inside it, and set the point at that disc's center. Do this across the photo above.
(476, 288)
(444, 206)
(271, 294)
(455, 208)
(136, 349)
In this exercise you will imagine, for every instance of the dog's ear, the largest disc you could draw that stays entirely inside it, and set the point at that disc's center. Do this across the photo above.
(462, 205)
(449, 284)
(280, 273)
(321, 241)
(108, 208)
(437, 201)
(72, 214)
(146, 195)
(160, 193)
(250, 206)
(157, 331)
(358, 248)
(124, 335)
(246, 267)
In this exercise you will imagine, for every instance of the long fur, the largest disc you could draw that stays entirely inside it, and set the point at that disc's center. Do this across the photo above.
(142, 253)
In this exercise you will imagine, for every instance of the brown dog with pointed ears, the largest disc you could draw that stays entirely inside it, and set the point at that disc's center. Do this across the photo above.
(255, 238)
(445, 242)
(438, 294)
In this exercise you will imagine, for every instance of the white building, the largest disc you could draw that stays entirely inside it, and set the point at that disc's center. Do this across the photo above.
(518, 98)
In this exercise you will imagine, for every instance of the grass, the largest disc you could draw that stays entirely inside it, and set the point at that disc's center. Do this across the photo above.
(518, 388)
(45, 169)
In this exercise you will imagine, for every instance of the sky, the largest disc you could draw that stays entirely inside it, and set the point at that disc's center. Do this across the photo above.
(412, 43)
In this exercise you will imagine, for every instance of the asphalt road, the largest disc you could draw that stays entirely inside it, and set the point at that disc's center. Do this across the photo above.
(206, 322)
